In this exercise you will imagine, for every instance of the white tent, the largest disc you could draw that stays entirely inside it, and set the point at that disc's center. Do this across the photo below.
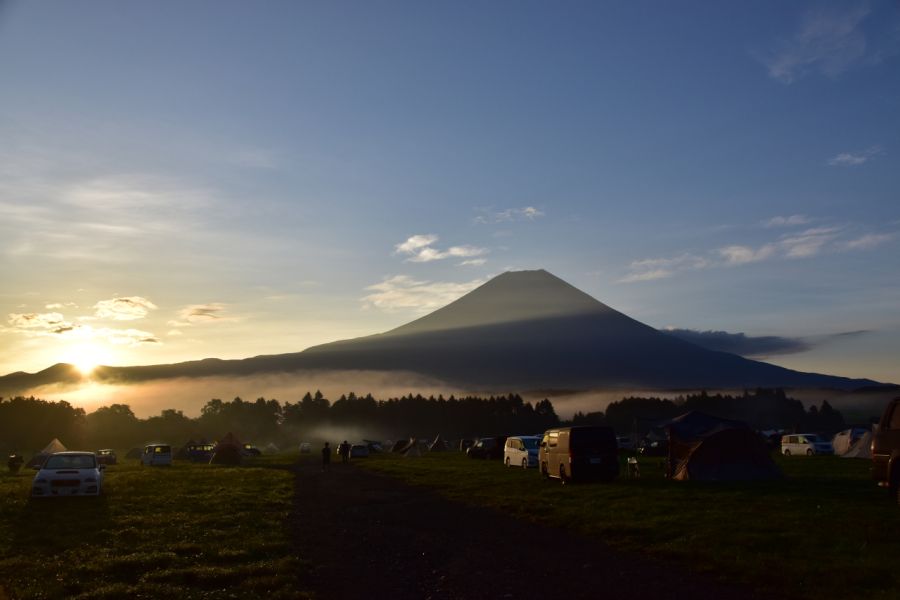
(861, 448)
(848, 439)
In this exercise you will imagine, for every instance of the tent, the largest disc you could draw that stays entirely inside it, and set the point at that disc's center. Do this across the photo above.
(437, 445)
(861, 448)
(413, 450)
(38, 459)
(228, 451)
(848, 439)
(707, 448)
(270, 448)
(401, 445)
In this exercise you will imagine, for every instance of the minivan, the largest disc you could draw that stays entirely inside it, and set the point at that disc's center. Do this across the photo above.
(155, 455)
(522, 450)
(579, 454)
(805, 444)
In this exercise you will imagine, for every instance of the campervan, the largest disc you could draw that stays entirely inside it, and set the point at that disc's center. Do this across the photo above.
(579, 453)
(156, 455)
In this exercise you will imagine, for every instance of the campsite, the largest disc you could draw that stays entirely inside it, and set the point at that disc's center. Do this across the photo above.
(198, 530)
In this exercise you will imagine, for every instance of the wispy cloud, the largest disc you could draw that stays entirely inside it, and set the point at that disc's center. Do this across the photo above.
(757, 346)
(849, 159)
(789, 221)
(804, 244)
(525, 213)
(54, 324)
(123, 309)
(867, 241)
(419, 248)
(829, 41)
(194, 314)
(402, 292)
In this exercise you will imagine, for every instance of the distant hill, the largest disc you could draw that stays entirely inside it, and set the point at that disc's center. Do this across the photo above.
(520, 330)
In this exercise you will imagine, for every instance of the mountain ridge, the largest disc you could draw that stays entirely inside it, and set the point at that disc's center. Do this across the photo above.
(521, 329)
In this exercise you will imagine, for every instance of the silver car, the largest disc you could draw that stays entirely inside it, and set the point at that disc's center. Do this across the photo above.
(68, 474)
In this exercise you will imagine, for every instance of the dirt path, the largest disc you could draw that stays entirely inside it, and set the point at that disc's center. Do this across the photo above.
(370, 536)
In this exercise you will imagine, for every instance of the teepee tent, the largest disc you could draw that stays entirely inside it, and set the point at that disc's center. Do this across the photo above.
(413, 451)
(437, 445)
(38, 459)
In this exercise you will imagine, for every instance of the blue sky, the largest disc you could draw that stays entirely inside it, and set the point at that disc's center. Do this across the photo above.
(182, 180)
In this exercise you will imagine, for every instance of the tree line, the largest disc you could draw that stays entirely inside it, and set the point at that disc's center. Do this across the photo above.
(760, 408)
(27, 424)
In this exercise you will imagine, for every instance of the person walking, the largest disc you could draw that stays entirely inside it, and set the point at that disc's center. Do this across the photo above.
(326, 457)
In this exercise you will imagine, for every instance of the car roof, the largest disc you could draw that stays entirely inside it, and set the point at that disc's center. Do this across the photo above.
(72, 453)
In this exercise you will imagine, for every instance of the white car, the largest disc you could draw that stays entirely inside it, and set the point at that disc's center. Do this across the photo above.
(68, 474)
(156, 455)
(799, 444)
(521, 451)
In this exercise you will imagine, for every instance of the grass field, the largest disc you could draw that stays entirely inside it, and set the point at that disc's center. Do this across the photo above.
(825, 531)
(186, 531)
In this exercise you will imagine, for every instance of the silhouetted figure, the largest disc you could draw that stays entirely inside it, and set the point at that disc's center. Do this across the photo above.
(344, 451)
(15, 462)
(326, 457)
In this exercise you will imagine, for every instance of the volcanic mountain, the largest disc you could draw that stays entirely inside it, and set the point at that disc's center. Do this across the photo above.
(520, 330)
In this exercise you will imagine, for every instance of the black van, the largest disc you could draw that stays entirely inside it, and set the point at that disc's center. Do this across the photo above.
(579, 454)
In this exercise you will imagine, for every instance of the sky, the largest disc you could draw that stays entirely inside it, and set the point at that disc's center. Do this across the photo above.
(227, 179)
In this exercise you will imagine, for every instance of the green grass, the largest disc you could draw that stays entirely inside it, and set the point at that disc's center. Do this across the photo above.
(186, 531)
(825, 531)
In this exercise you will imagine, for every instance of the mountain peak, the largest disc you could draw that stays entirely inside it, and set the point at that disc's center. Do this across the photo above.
(510, 296)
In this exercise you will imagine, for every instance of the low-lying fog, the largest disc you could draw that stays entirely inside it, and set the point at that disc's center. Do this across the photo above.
(190, 394)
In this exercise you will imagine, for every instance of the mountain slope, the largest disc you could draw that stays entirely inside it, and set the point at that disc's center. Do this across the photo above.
(525, 329)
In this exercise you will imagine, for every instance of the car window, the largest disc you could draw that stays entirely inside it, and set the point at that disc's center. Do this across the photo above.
(553, 439)
(70, 462)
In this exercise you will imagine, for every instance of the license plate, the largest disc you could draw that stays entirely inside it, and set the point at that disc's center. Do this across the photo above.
(65, 483)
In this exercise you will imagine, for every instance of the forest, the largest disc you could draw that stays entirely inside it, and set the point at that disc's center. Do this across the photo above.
(27, 424)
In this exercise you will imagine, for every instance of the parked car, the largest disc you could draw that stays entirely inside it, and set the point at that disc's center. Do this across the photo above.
(522, 450)
(359, 451)
(886, 449)
(68, 474)
(106, 457)
(250, 450)
(579, 454)
(200, 452)
(305, 447)
(487, 447)
(155, 455)
(800, 444)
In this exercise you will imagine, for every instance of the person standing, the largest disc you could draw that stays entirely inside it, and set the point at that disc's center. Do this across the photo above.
(344, 451)
(326, 457)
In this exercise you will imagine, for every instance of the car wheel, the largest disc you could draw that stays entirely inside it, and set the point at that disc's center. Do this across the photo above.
(524, 463)
(562, 475)
(787, 452)
(809, 452)
(507, 462)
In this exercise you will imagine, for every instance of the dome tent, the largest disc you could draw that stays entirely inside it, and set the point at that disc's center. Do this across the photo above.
(707, 448)
(228, 451)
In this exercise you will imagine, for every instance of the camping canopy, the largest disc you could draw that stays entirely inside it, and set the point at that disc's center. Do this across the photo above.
(38, 459)
(707, 448)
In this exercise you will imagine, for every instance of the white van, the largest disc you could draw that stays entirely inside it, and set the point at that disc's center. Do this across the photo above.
(521, 450)
(805, 444)
(155, 455)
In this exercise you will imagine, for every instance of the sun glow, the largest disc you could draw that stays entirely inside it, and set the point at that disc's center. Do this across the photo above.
(88, 357)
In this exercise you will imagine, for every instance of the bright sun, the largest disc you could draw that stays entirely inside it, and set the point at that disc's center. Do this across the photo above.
(87, 358)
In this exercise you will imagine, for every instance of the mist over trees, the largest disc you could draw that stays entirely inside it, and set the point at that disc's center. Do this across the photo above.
(27, 424)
